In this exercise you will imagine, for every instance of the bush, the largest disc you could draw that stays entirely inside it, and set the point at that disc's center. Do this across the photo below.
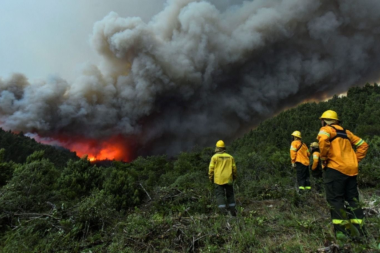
(369, 167)
(94, 213)
(79, 178)
(31, 187)
(6, 169)
(121, 183)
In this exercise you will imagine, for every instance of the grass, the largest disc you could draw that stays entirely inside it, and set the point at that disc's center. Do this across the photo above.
(271, 225)
(272, 217)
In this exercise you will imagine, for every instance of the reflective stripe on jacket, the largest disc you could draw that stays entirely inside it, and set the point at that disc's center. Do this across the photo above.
(339, 153)
(302, 155)
(316, 156)
(222, 169)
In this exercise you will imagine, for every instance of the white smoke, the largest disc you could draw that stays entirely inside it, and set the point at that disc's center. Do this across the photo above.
(195, 74)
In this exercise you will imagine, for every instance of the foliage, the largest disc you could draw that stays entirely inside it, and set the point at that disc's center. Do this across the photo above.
(18, 147)
(122, 184)
(33, 185)
(79, 178)
(370, 166)
(6, 169)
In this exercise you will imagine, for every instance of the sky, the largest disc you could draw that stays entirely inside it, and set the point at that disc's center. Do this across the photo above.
(51, 37)
(40, 38)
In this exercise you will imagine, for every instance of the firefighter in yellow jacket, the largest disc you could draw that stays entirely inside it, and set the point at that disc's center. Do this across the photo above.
(222, 172)
(299, 154)
(340, 163)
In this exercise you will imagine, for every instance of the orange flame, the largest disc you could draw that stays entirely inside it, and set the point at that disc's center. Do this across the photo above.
(114, 148)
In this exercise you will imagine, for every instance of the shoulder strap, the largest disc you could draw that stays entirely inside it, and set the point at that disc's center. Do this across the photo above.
(339, 134)
(300, 146)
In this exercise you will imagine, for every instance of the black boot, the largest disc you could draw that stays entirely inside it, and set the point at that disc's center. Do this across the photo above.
(360, 233)
(233, 211)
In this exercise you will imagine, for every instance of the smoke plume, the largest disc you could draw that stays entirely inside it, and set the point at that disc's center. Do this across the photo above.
(197, 73)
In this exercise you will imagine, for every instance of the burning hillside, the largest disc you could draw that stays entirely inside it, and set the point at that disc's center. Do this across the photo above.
(195, 74)
(115, 148)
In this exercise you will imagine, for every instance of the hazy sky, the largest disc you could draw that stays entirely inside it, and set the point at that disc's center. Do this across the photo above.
(43, 37)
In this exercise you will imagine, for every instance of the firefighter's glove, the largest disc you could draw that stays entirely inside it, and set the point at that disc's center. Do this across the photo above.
(293, 165)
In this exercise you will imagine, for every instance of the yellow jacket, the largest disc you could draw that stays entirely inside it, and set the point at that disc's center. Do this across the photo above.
(316, 156)
(222, 169)
(300, 156)
(338, 153)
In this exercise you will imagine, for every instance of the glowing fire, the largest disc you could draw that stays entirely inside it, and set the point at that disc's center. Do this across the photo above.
(114, 148)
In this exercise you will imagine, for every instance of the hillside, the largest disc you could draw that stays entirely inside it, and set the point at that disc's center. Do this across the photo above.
(156, 204)
(358, 111)
(18, 147)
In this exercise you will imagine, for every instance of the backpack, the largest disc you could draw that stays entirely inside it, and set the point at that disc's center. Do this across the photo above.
(339, 134)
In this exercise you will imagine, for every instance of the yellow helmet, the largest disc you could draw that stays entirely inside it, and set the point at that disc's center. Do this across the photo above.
(329, 114)
(220, 144)
(314, 145)
(297, 134)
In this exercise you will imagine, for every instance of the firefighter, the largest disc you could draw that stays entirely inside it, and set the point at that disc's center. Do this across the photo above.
(340, 164)
(316, 168)
(222, 172)
(299, 154)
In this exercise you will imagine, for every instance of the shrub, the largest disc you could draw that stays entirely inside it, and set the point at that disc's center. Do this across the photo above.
(79, 178)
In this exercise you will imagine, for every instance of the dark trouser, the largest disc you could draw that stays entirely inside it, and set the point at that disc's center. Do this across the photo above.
(340, 188)
(303, 177)
(223, 191)
(318, 176)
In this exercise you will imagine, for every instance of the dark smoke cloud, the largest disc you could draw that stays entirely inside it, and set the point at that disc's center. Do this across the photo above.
(198, 72)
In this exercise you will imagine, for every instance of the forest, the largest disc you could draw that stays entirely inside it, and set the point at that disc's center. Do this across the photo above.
(52, 201)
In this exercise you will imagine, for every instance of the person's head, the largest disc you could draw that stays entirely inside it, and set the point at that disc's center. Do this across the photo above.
(314, 146)
(296, 135)
(220, 146)
(329, 117)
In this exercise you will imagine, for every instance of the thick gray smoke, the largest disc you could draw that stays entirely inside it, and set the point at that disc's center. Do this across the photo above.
(197, 73)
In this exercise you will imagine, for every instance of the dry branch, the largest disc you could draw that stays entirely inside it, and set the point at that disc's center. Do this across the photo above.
(145, 191)
(34, 215)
